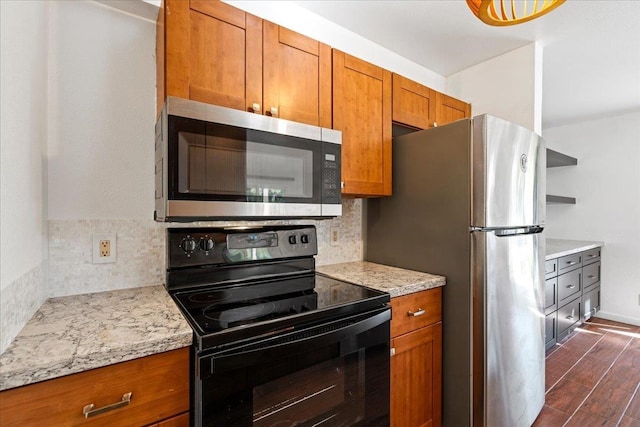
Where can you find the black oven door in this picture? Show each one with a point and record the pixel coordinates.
(334, 374)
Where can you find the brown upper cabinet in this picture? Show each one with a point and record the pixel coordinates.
(362, 111)
(449, 109)
(297, 76)
(413, 104)
(212, 52)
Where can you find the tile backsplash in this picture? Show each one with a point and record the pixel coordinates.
(140, 259)
(20, 300)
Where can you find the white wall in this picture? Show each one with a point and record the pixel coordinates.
(23, 132)
(102, 113)
(508, 86)
(23, 139)
(290, 15)
(606, 183)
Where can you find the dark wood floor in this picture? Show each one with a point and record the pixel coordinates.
(593, 378)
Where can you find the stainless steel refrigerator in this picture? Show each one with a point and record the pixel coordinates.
(469, 203)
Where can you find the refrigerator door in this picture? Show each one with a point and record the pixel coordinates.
(508, 174)
(508, 328)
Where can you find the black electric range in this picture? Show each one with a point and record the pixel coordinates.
(275, 342)
(235, 284)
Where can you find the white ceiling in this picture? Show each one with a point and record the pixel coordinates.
(591, 63)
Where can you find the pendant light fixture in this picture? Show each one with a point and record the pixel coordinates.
(511, 12)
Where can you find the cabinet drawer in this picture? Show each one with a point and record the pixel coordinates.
(569, 262)
(159, 387)
(550, 295)
(551, 268)
(590, 275)
(591, 255)
(590, 302)
(550, 329)
(568, 316)
(569, 285)
(413, 311)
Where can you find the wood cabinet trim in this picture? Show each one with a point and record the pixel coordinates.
(298, 41)
(177, 36)
(362, 66)
(219, 10)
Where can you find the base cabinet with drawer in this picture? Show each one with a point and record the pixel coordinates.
(157, 386)
(416, 362)
(572, 293)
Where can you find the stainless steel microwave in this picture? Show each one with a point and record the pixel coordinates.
(217, 163)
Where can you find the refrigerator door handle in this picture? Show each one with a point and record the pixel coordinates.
(506, 232)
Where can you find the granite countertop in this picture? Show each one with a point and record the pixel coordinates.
(560, 247)
(80, 332)
(395, 281)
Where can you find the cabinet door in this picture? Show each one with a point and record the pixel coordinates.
(181, 420)
(416, 372)
(362, 111)
(297, 76)
(213, 53)
(413, 104)
(449, 109)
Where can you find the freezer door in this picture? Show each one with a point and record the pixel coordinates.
(508, 328)
(508, 174)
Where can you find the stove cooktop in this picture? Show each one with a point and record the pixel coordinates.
(241, 284)
(221, 315)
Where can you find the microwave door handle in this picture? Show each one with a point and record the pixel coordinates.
(238, 358)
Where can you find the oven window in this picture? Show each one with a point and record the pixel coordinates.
(326, 393)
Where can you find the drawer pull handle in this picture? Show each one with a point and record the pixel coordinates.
(88, 410)
(571, 286)
(591, 276)
(571, 262)
(569, 317)
(420, 312)
(591, 255)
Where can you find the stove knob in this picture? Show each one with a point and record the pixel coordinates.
(188, 245)
(304, 239)
(206, 244)
(292, 239)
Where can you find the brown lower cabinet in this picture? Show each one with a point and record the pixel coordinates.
(159, 387)
(181, 420)
(416, 362)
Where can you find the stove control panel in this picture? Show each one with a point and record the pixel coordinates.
(214, 246)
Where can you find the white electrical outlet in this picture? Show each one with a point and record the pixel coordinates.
(335, 236)
(104, 248)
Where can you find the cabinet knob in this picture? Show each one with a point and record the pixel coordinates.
(435, 124)
(342, 184)
(274, 111)
(256, 107)
(392, 351)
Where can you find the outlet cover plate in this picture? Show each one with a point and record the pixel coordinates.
(97, 238)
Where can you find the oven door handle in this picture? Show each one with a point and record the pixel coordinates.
(304, 340)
